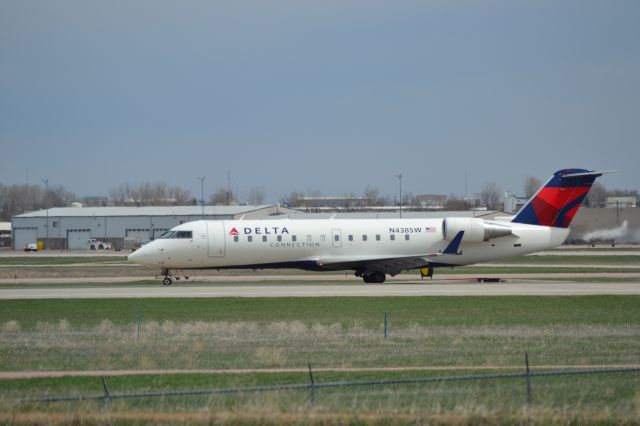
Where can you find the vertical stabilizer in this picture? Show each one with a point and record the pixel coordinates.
(558, 201)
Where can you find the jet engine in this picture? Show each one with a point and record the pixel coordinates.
(475, 230)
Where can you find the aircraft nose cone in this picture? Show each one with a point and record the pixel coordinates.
(135, 256)
(142, 256)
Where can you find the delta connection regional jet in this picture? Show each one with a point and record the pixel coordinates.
(372, 248)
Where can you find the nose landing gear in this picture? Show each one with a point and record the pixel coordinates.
(167, 280)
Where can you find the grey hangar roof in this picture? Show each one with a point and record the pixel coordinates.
(145, 211)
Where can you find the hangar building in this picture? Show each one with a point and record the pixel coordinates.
(72, 227)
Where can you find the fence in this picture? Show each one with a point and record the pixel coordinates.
(313, 387)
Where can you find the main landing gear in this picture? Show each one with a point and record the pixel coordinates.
(372, 277)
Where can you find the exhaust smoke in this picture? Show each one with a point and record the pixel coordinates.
(620, 234)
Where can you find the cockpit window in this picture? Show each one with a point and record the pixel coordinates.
(177, 234)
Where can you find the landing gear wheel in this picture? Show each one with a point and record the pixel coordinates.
(374, 277)
(167, 277)
(378, 277)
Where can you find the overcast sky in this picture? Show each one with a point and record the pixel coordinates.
(330, 95)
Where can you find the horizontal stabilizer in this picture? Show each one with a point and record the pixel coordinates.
(587, 174)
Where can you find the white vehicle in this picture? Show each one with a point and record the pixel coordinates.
(373, 248)
(95, 244)
(31, 247)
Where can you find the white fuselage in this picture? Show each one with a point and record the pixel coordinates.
(326, 244)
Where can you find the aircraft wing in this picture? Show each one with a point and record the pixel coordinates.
(392, 265)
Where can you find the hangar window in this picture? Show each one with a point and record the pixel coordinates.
(406, 237)
(294, 238)
(55, 223)
(350, 237)
(377, 237)
(249, 238)
(392, 237)
(364, 238)
(264, 238)
(235, 238)
(279, 238)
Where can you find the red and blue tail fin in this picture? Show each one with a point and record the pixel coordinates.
(556, 203)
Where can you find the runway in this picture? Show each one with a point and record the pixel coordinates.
(326, 290)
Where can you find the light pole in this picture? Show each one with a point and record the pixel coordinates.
(400, 180)
(201, 179)
(46, 199)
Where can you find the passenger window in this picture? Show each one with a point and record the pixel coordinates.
(293, 238)
(406, 237)
(364, 238)
(336, 237)
(264, 238)
(322, 238)
(235, 238)
(279, 237)
(377, 237)
(249, 238)
(392, 237)
(350, 237)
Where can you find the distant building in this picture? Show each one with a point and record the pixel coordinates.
(513, 203)
(95, 201)
(431, 201)
(72, 227)
(620, 202)
(5, 234)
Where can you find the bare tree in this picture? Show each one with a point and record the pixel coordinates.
(597, 195)
(150, 194)
(17, 199)
(408, 199)
(531, 185)
(455, 203)
(292, 199)
(256, 196)
(180, 196)
(373, 197)
(490, 195)
(223, 197)
(622, 193)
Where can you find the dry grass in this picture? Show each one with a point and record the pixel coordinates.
(190, 345)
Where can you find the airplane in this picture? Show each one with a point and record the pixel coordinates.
(372, 248)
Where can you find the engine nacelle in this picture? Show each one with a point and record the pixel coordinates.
(475, 230)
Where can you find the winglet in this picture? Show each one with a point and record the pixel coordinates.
(454, 245)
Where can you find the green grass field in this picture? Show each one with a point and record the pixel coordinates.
(477, 332)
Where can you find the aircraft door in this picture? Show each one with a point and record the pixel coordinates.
(336, 237)
(215, 238)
